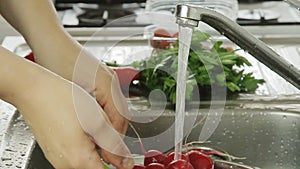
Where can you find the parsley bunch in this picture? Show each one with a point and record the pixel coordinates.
(209, 64)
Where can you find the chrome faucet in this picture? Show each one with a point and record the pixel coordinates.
(293, 3)
(191, 15)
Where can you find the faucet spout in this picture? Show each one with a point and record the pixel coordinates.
(191, 15)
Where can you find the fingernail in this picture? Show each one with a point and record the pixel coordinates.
(127, 163)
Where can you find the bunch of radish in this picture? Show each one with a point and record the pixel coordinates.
(192, 159)
(195, 158)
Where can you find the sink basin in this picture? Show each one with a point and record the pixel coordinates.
(267, 135)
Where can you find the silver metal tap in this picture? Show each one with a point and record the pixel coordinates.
(294, 3)
(191, 15)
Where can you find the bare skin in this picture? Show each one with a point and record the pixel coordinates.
(50, 87)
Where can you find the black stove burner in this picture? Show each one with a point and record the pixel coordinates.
(257, 16)
(102, 16)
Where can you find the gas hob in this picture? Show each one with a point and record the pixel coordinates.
(124, 15)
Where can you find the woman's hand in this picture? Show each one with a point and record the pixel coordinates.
(49, 105)
(52, 118)
(55, 50)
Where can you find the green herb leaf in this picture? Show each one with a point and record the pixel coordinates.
(205, 66)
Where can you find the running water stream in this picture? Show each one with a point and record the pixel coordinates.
(185, 36)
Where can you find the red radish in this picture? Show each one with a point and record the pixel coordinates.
(154, 156)
(137, 166)
(155, 166)
(180, 164)
(30, 57)
(200, 160)
(207, 151)
(175, 35)
(160, 32)
(126, 75)
(170, 158)
(229, 49)
(162, 44)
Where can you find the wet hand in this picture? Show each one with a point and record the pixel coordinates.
(52, 116)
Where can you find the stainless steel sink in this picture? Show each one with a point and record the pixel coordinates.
(267, 135)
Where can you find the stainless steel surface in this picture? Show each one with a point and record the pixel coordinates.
(294, 3)
(268, 139)
(190, 15)
(221, 164)
(16, 139)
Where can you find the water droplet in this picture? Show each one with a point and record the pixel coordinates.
(284, 117)
(8, 164)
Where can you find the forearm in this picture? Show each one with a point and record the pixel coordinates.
(19, 78)
(34, 19)
(53, 48)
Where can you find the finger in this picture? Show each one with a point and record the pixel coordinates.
(92, 161)
(114, 104)
(95, 122)
(120, 107)
(117, 161)
(118, 121)
(82, 155)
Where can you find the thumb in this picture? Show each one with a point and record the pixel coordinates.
(95, 122)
